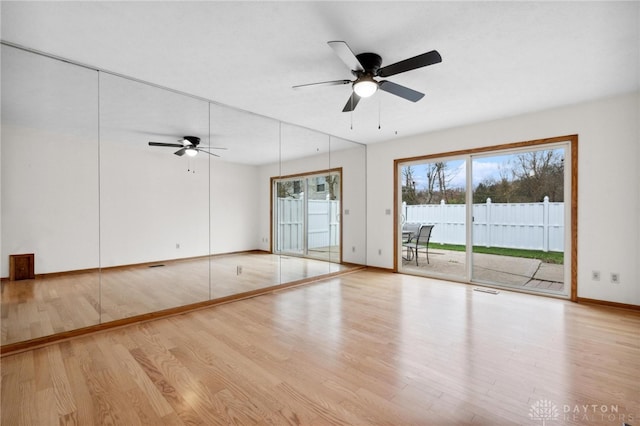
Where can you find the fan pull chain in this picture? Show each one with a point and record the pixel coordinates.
(379, 109)
(351, 112)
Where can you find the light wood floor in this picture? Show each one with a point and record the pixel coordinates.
(46, 306)
(365, 348)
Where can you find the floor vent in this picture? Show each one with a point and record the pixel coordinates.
(486, 290)
(156, 266)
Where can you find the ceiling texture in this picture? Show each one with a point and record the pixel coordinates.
(500, 59)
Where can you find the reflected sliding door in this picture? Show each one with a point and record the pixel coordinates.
(307, 216)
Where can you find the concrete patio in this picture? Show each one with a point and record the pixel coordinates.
(490, 268)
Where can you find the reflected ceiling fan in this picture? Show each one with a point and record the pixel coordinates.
(188, 145)
(366, 66)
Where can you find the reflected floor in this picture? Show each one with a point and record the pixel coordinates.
(530, 274)
(45, 306)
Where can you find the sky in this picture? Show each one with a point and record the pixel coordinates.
(483, 168)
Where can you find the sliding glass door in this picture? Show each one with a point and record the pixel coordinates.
(307, 215)
(513, 229)
(519, 219)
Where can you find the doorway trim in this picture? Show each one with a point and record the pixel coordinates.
(573, 147)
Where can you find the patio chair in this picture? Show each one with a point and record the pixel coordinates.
(409, 234)
(421, 241)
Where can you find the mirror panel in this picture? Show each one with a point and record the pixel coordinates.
(239, 207)
(49, 195)
(301, 206)
(350, 158)
(154, 205)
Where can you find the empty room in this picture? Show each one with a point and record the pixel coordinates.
(241, 212)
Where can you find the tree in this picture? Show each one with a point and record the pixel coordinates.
(332, 181)
(285, 189)
(539, 174)
(409, 187)
(531, 177)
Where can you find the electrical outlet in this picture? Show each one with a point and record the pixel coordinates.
(238, 270)
(177, 245)
(379, 252)
(595, 275)
(353, 249)
(615, 278)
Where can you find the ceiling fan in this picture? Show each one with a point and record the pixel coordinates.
(366, 66)
(188, 145)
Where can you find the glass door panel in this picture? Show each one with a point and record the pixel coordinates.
(518, 220)
(323, 211)
(291, 216)
(433, 218)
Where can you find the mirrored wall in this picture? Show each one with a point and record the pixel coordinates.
(119, 228)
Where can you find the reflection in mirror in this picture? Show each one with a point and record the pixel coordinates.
(302, 205)
(49, 196)
(350, 158)
(154, 204)
(120, 228)
(241, 260)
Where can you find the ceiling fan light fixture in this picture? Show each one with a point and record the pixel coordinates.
(365, 86)
(191, 152)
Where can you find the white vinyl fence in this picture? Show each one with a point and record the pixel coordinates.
(531, 226)
(323, 224)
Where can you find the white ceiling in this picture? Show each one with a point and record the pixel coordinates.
(499, 58)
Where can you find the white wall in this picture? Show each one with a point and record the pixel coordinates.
(49, 199)
(234, 203)
(608, 158)
(134, 208)
(149, 202)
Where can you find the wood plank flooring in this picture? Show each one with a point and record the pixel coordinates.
(370, 347)
(45, 306)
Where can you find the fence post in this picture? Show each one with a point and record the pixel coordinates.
(443, 207)
(488, 224)
(545, 224)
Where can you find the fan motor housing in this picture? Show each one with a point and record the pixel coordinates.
(371, 62)
(193, 139)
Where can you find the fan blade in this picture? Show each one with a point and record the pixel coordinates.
(207, 152)
(212, 147)
(351, 103)
(324, 83)
(419, 61)
(173, 145)
(402, 91)
(181, 152)
(345, 53)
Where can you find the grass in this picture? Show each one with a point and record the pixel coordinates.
(556, 257)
